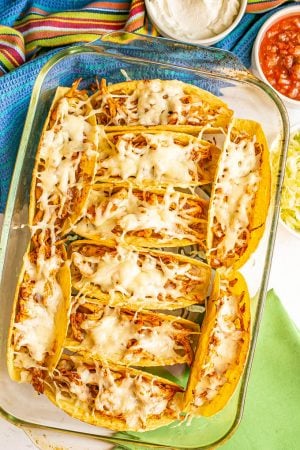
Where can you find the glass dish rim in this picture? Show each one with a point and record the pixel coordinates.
(244, 76)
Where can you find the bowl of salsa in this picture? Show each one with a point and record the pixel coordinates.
(276, 54)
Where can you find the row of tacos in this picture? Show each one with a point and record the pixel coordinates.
(117, 181)
(122, 168)
(88, 369)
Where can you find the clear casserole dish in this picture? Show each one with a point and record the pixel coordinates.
(114, 57)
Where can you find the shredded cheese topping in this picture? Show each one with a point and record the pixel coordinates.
(223, 350)
(155, 102)
(168, 214)
(35, 331)
(117, 336)
(163, 158)
(234, 196)
(127, 272)
(126, 395)
(114, 212)
(63, 146)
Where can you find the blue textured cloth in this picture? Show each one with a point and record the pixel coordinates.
(241, 39)
(16, 86)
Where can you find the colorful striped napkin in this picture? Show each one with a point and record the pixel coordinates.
(29, 26)
(260, 6)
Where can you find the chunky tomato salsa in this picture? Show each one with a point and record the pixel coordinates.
(279, 56)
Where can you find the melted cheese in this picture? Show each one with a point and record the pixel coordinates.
(58, 161)
(156, 99)
(160, 159)
(235, 192)
(61, 151)
(112, 334)
(135, 399)
(127, 273)
(35, 332)
(156, 102)
(133, 214)
(132, 397)
(23, 360)
(223, 351)
(36, 329)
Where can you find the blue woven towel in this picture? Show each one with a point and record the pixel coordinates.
(16, 86)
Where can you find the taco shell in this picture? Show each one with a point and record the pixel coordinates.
(222, 348)
(156, 158)
(123, 214)
(82, 168)
(178, 281)
(240, 197)
(115, 397)
(168, 104)
(137, 338)
(31, 315)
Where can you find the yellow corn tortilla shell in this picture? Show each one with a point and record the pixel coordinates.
(61, 321)
(262, 198)
(207, 167)
(81, 226)
(223, 114)
(197, 295)
(88, 165)
(234, 372)
(187, 328)
(80, 410)
(60, 326)
(14, 372)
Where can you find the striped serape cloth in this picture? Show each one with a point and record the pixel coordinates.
(260, 6)
(28, 27)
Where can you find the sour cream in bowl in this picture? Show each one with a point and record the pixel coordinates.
(203, 22)
(276, 54)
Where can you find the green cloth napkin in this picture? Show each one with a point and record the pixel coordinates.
(271, 419)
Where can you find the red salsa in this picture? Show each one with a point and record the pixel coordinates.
(279, 56)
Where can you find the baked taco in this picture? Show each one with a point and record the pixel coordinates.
(65, 162)
(156, 158)
(120, 276)
(114, 396)
(240, 196)
(39, 321)
(222, 348)
(162, 103)
(143, 217)
(127, 337)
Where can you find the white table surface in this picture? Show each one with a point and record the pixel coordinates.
(284, 279)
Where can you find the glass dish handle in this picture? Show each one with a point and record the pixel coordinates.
(203, 59)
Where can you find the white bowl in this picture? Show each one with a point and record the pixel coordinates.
(294, 129)
(289, 229)
(164, 31)
(255, 51)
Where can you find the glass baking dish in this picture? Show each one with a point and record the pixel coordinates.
(116, 56)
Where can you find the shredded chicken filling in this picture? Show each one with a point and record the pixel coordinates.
(115, 213)
(223, 351)
(121, 336)
(123, 394)
(154, 102)
(234, 198)
(162, 158)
